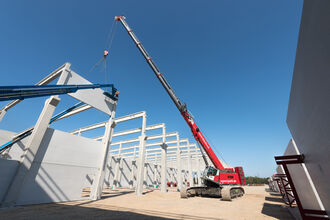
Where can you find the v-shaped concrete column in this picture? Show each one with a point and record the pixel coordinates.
(30, 151)
(98, 183)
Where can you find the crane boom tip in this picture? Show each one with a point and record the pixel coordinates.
(117, 18)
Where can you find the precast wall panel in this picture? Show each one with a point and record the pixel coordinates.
(301, 180)
(309, 107)
(15, 151)
(63, 166)
(7, 173)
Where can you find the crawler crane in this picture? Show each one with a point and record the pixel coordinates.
(218, 181)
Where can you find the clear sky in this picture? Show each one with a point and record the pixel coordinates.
(231, 61)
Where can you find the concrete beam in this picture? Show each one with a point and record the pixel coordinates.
(52, 76)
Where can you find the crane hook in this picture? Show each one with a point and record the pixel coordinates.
(105, 53)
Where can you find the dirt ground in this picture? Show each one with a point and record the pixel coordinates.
(257, 203)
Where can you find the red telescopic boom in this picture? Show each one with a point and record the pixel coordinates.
(182, 107)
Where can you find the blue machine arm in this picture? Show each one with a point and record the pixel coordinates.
(24, 92)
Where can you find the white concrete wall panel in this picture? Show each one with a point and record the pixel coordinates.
(16, 151)
(309, 108)
(7, 172)
(63, 166)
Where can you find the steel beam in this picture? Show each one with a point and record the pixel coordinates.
(55, 74)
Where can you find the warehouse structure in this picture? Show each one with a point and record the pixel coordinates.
(50, 165)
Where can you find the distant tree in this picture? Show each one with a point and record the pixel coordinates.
(256, 180)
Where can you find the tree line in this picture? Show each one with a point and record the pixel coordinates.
(256, 180)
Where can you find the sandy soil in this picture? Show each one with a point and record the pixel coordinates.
(257, 203)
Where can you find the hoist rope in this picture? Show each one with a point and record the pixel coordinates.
(111, 35)
(108, 46)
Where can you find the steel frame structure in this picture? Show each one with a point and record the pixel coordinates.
(288, 187)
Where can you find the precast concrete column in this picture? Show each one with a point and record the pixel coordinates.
(142, 151)
(121, 162)
(97, 186)
(30, 152)
(172, 174)
(116, 173)
(163, 185)
(199, 171)
(178, 164)
(117, 169)
(175, 173)
(157, 170)
(191, 181)
(155, 175)
(145, 175)
(131, 183)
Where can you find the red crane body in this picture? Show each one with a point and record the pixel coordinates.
(227, 175)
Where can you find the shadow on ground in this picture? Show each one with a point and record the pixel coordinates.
(62, 211)
(275, 194)
(115, 193)
(274, 199)
(275, 211)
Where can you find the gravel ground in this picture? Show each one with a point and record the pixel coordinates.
(257, 203)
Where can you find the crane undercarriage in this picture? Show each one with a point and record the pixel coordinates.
(214, 190)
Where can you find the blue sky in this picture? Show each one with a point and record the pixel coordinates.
(231, 61)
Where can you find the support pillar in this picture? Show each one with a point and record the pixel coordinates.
(146, 175)
(199, 172)
(131, 183)
(155, 176)
(121, 162)
(142, 151)
(117, 169)
(163, 185)
(172, 174)
(116, 174)
(31, 151)
(178, 165)
(190, 176)
(97, 187)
